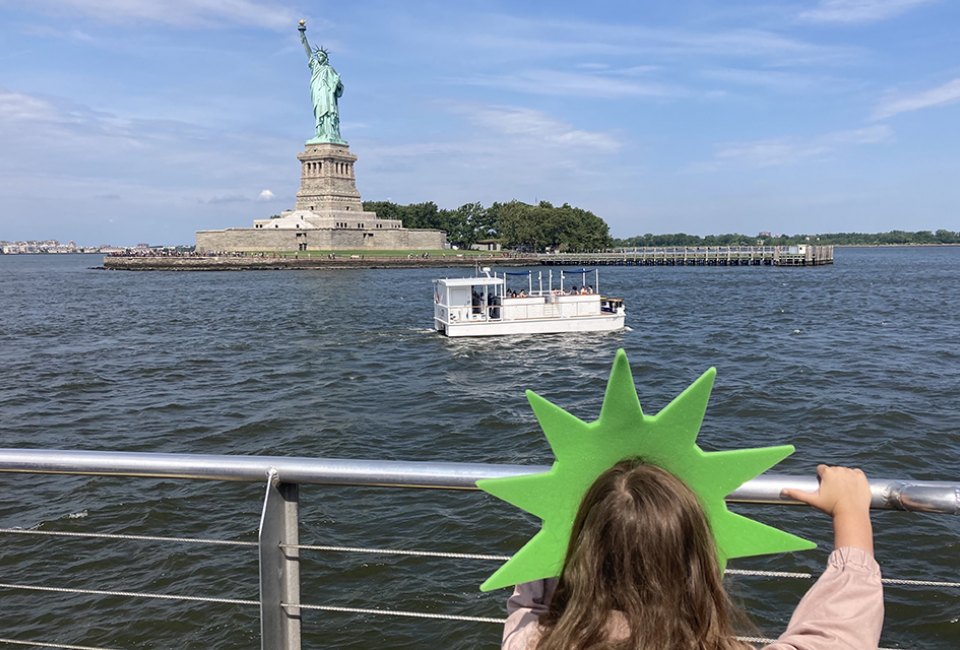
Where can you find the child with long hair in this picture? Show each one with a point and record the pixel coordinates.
(641, 573)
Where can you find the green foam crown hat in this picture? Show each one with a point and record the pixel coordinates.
(584, 450)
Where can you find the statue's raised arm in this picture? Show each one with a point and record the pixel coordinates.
(303, 38)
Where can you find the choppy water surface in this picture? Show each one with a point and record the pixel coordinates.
(854, 364)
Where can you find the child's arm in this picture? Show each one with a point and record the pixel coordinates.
(845, 607)
(844, 494)
(524, 608)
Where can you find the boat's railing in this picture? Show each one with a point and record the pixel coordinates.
(278, 540)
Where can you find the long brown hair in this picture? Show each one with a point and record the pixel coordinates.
(641, 571)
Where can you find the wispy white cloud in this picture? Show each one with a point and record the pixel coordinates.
(776, 48)
(223, 199)
(506, 152)
(147, 168)
(179, 13)
(23, 117)
(506, 146)
(784, 151)
(858, 11)
(530, 124)
(265, 195)
(535, 39)
(17, 107)
(948, 93)
(551, 82)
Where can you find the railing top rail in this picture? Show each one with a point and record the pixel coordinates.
(891, 494)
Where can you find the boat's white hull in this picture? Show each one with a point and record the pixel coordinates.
(601, 323)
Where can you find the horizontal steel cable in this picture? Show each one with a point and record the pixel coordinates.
(759, 639)
(918, 583)
(132, 594)
(768, 574)
(141, 538)
(503, 558)
(810, 576)
(42, 644)
(414, 553)
(396, 612)
(765, 641)
(389, 551)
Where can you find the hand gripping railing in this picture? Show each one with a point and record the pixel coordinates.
(278, 540)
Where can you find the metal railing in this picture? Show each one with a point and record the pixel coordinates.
(278, 540)
(809, 255)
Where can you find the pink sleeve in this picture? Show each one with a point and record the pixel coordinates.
(843, 610)
(529, 601)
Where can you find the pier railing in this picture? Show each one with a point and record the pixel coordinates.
(800, 255)
(278, 536)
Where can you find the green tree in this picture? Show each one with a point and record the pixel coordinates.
(470, 223)
(384, 209)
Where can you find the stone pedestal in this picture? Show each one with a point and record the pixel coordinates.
(327, 181)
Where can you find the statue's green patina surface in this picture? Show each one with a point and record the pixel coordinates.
(325, 89)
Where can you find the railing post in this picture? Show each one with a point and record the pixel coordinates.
(279, 566)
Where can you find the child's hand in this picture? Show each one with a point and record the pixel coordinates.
(844, 494)
(842, 490)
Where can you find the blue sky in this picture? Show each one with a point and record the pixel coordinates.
(124, 121)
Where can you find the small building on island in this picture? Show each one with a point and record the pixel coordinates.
(487, 245)
(328, 214)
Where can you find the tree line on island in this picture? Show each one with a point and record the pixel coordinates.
(891, 238)
(541, 227)
(516, 225)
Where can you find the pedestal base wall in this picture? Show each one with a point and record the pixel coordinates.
(240, 240)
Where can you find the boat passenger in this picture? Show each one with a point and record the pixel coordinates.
(522, 294)
(641, 572)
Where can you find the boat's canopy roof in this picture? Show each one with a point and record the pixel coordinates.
(470, 282)
(516, 272)
(565, 271)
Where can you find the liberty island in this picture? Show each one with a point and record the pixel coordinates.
(328, 214)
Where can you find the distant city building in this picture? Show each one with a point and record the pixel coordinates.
(30, 247)
(52, 246)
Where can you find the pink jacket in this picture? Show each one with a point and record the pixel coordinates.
(843, 610)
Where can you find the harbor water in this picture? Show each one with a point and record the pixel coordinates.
(856, 363)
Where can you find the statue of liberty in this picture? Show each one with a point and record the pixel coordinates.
(325, 89)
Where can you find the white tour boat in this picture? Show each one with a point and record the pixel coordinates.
(487, 305)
